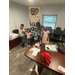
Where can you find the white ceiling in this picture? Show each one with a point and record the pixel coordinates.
(38, 2)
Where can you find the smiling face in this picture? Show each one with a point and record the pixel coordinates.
(21, 27)
(32, 28)
(28, 30)
(41, 29)
(33, 23)
(36, 29)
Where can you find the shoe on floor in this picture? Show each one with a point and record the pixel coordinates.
(27, 45)
(23, 46)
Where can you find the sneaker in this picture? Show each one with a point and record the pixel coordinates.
(27, 45)
(23, 46)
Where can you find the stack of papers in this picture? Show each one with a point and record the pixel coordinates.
(49, 47)
(35, 51)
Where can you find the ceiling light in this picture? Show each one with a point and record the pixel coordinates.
(30, 0)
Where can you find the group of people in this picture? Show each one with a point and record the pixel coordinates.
(32, 35)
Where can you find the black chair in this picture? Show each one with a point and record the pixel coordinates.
(16, 31)
(57, 33)
(50, 29)
(61, 47)
(63, 35)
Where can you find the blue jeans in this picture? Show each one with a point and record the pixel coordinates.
(22, 40)
(32, 40)
(28, 41)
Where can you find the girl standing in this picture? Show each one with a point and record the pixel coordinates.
(41, 34)
(29, 36)
(32, 39)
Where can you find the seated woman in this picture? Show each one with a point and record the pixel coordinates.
(45, 38)
(9, 44)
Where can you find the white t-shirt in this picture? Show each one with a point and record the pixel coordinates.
(21, 33)
(28, 35)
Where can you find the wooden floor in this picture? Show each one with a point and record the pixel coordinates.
(19, 64)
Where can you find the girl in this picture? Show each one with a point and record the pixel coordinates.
(45, 38)
(29, 35)
(41, 34)
(32, 24)
(36, 33)
(9, 44)
(32, 39)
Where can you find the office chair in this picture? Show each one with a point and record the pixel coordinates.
(57, 33)
(16, 31)
(63, 35)
(61, 47)
(50, 29)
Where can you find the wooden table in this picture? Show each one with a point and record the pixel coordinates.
(56, 59)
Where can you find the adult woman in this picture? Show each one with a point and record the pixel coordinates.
(45, 38)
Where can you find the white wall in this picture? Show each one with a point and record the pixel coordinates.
(17, 15)
(11, 19)
(58, 10)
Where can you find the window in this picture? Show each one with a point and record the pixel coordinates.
(49, 21)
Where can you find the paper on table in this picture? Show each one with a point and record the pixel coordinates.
(36, 49)
(34, 53)
(51, 47)
(61, 68)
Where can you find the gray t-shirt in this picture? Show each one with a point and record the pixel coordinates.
(21, 33)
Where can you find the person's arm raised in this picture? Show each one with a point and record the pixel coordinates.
(30, 22)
